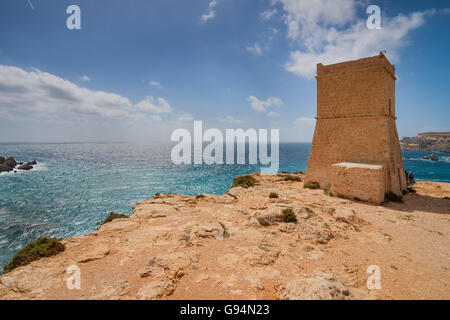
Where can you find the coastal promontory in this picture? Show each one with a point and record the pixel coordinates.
(270, 239)
(429, 141)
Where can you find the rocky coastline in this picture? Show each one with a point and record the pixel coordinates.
(268, 237)
(428, 141)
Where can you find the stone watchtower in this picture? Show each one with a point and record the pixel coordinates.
(356, 150)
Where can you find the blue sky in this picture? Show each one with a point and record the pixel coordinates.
(139, 69)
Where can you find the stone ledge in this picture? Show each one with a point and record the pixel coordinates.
(350, 165)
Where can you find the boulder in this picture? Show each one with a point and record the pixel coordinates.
(267, 218)
(345, 214)
(5, 168)
(7, 165)
(10, 162)
(157, 289)
(318, 286)
(261, 256)
(26, 166)
(208, 230)
(172, 265)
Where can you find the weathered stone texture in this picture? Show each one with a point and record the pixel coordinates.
(216, 248)
(354, 180)
(356, 123)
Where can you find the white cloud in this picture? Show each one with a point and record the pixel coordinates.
(151, 104)
(40, 95)
(329, 32)
(230, 119)
(272, 114)
(211, 12)
(185, 117)
(268, 14)
(85, 78)
(155, 84)
(303, 121)
(255, 49)
(155, 118)
(262, 106)
(303, 16)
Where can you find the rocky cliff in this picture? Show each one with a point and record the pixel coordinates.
(430, 141)
(237, 246)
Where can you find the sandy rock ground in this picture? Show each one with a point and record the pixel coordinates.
(236, 247)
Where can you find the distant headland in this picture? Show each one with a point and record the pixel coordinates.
(428, 141)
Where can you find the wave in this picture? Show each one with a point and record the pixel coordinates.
(40, 166)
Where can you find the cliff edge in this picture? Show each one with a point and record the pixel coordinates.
(236, 246)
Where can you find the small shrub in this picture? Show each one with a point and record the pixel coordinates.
(404, 192)
(447, 198)
(112, 216)
(299, 172)
(273, 195)
(327, 190)
(289, 216)
(392, 197)
(285, 172)
(200, 196)
(41, 248)
(312, 185)
(309, 210)
(292, 178)
(245, 181)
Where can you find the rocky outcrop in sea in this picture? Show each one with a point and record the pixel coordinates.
(10, 164)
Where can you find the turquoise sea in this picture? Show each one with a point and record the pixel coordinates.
(74, 186)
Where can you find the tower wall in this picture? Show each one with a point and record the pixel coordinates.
(356, 121)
